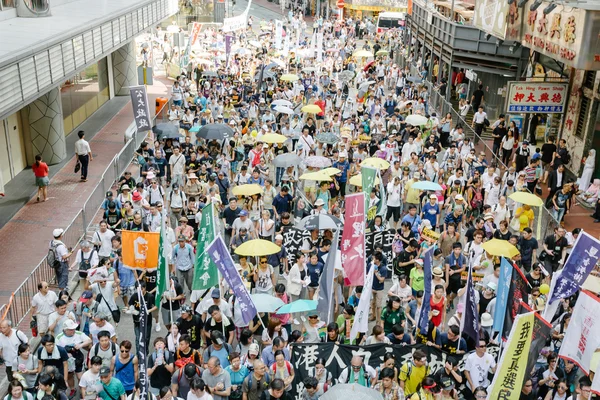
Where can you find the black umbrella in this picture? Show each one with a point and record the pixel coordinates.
(321, 221)
(166, 131)
(215, 131)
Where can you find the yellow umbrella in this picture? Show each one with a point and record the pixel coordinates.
(257, 247)
(272, 138)
(500, 248)
(376, 163)
(362, 53)
(331, 171)
(316, 176)
(247, 190)
(526, 198)
(312, 109)
(289, 77)
(382, 53)
(356, 180)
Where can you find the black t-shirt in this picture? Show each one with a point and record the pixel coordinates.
(230, 215)
(311, 129)
(526, 247)
(280, 150)
(534, 282)
(483, 302)
(477, 97)
(548, 150)
(135, 302)
(150, 278)
(267, 396)
(173, 304)
(58, 363)
(161, 376)
(193, 327)
(218, 326)
(404, 256)
(501, 132)
(556, 246)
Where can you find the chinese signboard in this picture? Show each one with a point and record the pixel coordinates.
(536, 97)
(567, 34)
(141, 112)
(491, 17)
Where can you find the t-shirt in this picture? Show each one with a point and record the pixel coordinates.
(113, 390)
(212, 380)
(430, 212)
(526, 247)
(193, 327)
(412, 376)
(383, 271)
(90, 381)
(479, 367)
(161, 376)
(258, 386)
(556, 246)
(56, 359)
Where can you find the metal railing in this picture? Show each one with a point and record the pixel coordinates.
(20, 301)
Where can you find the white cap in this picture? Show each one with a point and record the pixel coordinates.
(57, 232)
(486, 320)
(70, 324)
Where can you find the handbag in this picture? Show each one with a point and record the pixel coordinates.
(116, 314)
(515, 224)
(543, 255)
(77, 166)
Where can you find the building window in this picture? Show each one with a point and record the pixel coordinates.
(589, 78)
(583, 113)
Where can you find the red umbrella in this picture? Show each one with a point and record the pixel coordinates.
(369, 64)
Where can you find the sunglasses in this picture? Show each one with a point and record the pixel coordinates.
(312, 317)
(124, 351)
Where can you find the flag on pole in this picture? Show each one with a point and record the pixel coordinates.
(140, 249)
(361, 318)
(162, 273)
(142, 350)
(353, 240)
(368, 175)
(469, 323)
(382, 206)
(517, 293)
(426, 305)
(205, 270)
(582, 339)
(511, 371)
(539, 337)
(325, 302)
(502, 294)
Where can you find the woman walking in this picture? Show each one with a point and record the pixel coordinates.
(40, 170)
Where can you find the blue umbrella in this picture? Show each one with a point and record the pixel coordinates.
(266, 302)
(300, 305)
(426, 185)
(195, 128)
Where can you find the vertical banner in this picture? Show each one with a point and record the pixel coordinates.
(286, 46)
(582, 339)
(228, 39)
(205, 270)
(325, 303)
(382, 206)
(511, 371)
(353, 240)
(195, 32)
(581, 261)
(470, 319)
(220, 255)
(278, 33)
(368, 175)
(140, 249)
(517, 293)
(539, 337)
(423, 323)
(361, 318)
(141, 346)
(320, 46)
(141, 112)
(162, 273)
(502, 294)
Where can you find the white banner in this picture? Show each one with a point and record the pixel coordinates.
(582, 339)
(596, 381)
(361, 318)
(320, 46)
(238, 22)
(278, 33)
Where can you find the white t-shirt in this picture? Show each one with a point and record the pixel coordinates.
(94, 329)
(479, 368)
(10, 345)
(61, 320)
(77, 338)
(44, 304)
(105, 240)
(192, 396)
(91, 255)
(177, 164)
(91, 383)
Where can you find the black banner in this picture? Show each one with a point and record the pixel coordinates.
(517, 293)
(383, 239)
(142, 361)
(338, 357)
(293, 239)
(141, 112)
(540, 337)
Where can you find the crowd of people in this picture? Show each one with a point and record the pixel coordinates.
(207, 351)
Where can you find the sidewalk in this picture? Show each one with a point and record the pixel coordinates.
(26, 236)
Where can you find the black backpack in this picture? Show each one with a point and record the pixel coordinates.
(52, 259)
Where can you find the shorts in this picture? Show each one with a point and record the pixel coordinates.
(378, 297)
(320, 117)
(166, 315)
(454, 285)
(178, 102)
(42, 181)
(547, 167)
(42, 323)
(393, 212)
(127, 291)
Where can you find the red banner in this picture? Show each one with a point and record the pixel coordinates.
(195, 32)
(353, 240)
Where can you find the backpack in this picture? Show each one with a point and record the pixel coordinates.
(182, 362)
(96, 349)
(52, 259)
(477, 200)
(225, 346)
(287, 365)
(189, 250)
(251, 376)
(84, 264)
(566, 157)
(198, 372)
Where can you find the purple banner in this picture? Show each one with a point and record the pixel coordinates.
(580, 263)
(471, 318)
(426, 305)
(221, 257)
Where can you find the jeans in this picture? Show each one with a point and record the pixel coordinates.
(85, 161)
(278, 175)
(187, 277)
(62, 275)
(558, 214)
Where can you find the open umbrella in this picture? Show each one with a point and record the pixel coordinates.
(320, 221)
(309, 69)
(346, 76)
(414, 79)
(526, 198)
(282, 102)
(376, 162)
(284, 110)
(257, 248)
(243, 51)
(311, 109)
(211, 74)
(299, 305)
(363, 87)
(356, 180)
(368, 65)
(247, 190)
(266, 303)
(426, 185)
(351, 391)
(166, 130)
(328, 138)
(255, 43)
(331, 171)
(316, 176)
(289, 77)
(362, 54)
(317, 162)
(382, 53)
(500, 248)
(273, 138)
(416, 120)
(215, 131)
(287, 160)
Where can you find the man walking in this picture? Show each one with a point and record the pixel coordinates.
(84, 154)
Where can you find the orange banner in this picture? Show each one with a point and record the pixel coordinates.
(140, 249)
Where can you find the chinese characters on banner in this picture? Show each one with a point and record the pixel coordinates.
(361, 318)
(141, 112)
(517, 293)
(581, 339)
(220, 255)
(205, 271)
(423, 324)
(534, 97)
(508, 380)
(353, 240)
(141, 346)
(470, 320)
(195, 32)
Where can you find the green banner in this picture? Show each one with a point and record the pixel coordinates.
(368, 175)
(205, 271)
(162, 273)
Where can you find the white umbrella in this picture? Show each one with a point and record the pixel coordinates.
(309, 69)
(282, 102)
(255, 43)
(284, 110)
(243, 51)
(416, 120)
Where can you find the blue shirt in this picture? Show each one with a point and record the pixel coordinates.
(413, 221)
(282, 203)
(344, 167)
(383, 271)
(430, 212)
(452, 218)
(315, 272)
(269, 358)
(125, 275)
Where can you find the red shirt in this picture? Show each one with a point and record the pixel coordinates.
(321, 104)
(41, 170)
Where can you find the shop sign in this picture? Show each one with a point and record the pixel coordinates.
(567, 34)
(536, 97)
(491, 17)
(472, 76)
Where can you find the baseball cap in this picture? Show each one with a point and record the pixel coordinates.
(243, 213)
(109, 194)
(216, 294)
(447, 383)
(104, 371)
(86, 295)
(253, 349)
(536, 156)
(186, 309)
(69, 324)
(57, 232)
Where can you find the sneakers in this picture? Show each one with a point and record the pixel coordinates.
(157, 327)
